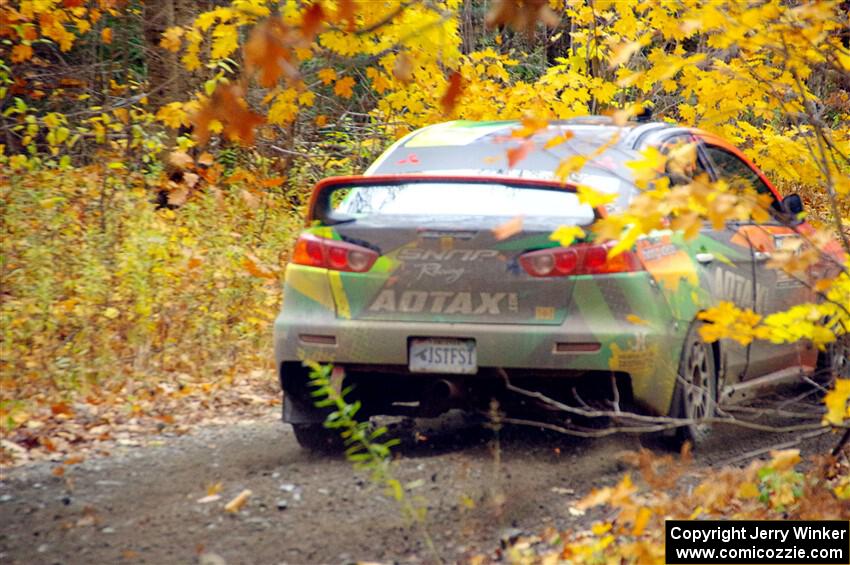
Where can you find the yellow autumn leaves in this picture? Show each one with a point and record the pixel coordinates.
(822, 323)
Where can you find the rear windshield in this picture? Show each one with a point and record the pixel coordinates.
(463, 199)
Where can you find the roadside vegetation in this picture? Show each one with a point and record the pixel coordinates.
(155, 159)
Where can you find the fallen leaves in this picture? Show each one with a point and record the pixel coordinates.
(238, 501)
(61, 408)
(180, 159)
(104, 422)
(633, 528)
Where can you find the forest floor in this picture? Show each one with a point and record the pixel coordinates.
(159, 498)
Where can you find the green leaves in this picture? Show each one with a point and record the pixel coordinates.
(364, 447)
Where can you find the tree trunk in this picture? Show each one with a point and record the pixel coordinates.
(168, 80)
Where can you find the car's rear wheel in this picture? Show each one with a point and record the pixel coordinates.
(835, 361)
(695, 396)
(316, 437)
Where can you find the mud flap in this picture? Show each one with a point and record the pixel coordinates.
(297, 411)
(298, 407)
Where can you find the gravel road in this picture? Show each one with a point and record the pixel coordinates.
(141, 504)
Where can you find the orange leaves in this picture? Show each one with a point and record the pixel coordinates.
(559, 139)
(253, 265)
(403, 68)
(268, 52)
(453, 92)
(518, 153)
(530, 124)
(21, 53)
(344, 87)
(228, 107)
(508, 229)
(633, 529)
(272, 50)
(521, 15)
(61, 408)
(346, 13)
(106, 35)
(312, 21)
(272, 182)
(29, 33)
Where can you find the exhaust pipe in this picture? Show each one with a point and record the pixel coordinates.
(440, 396)
(448, 390)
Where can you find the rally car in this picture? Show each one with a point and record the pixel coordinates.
(408, 281)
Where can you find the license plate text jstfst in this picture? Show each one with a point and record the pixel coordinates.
(443, 356)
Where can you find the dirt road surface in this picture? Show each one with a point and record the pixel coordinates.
(140, 505)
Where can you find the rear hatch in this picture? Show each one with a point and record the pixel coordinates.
(441, 259)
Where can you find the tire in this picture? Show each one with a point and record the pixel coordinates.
(835, 361)
(316, 437)
(695, 395)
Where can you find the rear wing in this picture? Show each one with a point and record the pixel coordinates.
(321, 208)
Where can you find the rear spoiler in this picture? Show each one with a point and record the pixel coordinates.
(320, 201)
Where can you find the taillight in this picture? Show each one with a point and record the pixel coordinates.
(331, 254)
(581, 259)
(555, 262)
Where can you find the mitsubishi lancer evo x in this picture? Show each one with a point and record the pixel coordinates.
(402, 283)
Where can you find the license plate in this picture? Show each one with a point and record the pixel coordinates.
(435, 355)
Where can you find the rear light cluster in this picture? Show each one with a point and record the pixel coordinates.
(331, 254)
(581, 259)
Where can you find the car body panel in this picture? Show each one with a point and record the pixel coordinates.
(632, 330)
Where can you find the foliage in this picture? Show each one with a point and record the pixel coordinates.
(135, 254)
(674, 490)
(694, 62)
(364, 446)
(100, 286)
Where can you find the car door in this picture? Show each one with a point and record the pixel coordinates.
(772, 290)
(726, 269)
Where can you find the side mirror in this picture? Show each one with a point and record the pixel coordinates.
(793, 205)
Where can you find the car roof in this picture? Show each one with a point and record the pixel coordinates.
(483, 147)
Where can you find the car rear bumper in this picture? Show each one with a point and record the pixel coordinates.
(497, 345)
(648, 355)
